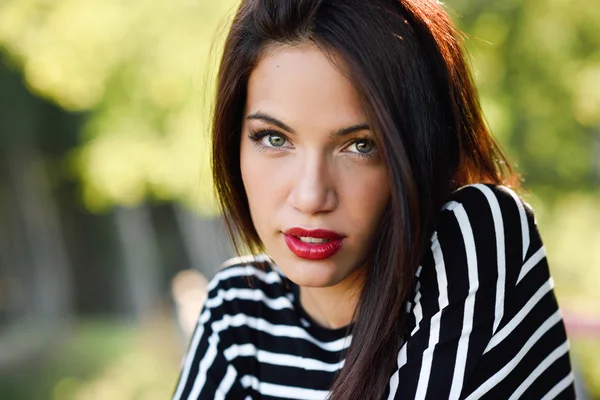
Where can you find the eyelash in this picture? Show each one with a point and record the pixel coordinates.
(257, 135)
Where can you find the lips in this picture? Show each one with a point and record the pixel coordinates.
(310, 250)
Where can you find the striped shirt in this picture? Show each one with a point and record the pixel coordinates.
(483, 319)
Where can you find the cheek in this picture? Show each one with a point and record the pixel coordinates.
(252, 178)
(367, 194)
(263, 186)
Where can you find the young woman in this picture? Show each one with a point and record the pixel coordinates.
(349, 146)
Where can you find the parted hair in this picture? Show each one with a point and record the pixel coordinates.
(407, 65)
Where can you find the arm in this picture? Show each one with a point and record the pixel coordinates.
(206, 374)
(463, 291)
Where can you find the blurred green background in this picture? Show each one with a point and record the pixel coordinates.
(107, 220)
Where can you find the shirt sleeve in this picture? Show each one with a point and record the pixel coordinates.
(206, 373)
(464, 293)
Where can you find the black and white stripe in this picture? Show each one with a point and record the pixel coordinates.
(484, 320)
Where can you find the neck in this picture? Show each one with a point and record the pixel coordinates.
(333, 307)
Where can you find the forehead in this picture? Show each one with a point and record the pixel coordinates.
(296, 82)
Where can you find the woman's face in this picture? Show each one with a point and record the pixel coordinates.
(316, 182)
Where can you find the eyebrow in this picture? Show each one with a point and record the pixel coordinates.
(350, 129)
(270, 120)
(274, 121)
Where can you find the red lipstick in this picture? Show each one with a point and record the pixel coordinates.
(313, 251)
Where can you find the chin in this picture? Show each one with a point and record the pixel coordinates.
(307, 273)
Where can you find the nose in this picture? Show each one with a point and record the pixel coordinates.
(313, 189)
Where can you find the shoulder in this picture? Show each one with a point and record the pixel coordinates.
(485, 231)
(249, 271)
(242, 283)
(479, 198)
(494, 211)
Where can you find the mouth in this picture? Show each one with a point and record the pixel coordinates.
(315, 244)
(313, 240)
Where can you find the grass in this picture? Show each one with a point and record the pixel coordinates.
(101, 360)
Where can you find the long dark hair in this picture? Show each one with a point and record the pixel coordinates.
(405, 60)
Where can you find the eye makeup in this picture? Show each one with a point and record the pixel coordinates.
(258, 136)
(272, 137)
(366, 141)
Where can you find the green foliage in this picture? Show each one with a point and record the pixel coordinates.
(537, 67)
(141, 69)
(103, 360)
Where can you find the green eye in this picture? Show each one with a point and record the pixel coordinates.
(276, 140)
(364, 146)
